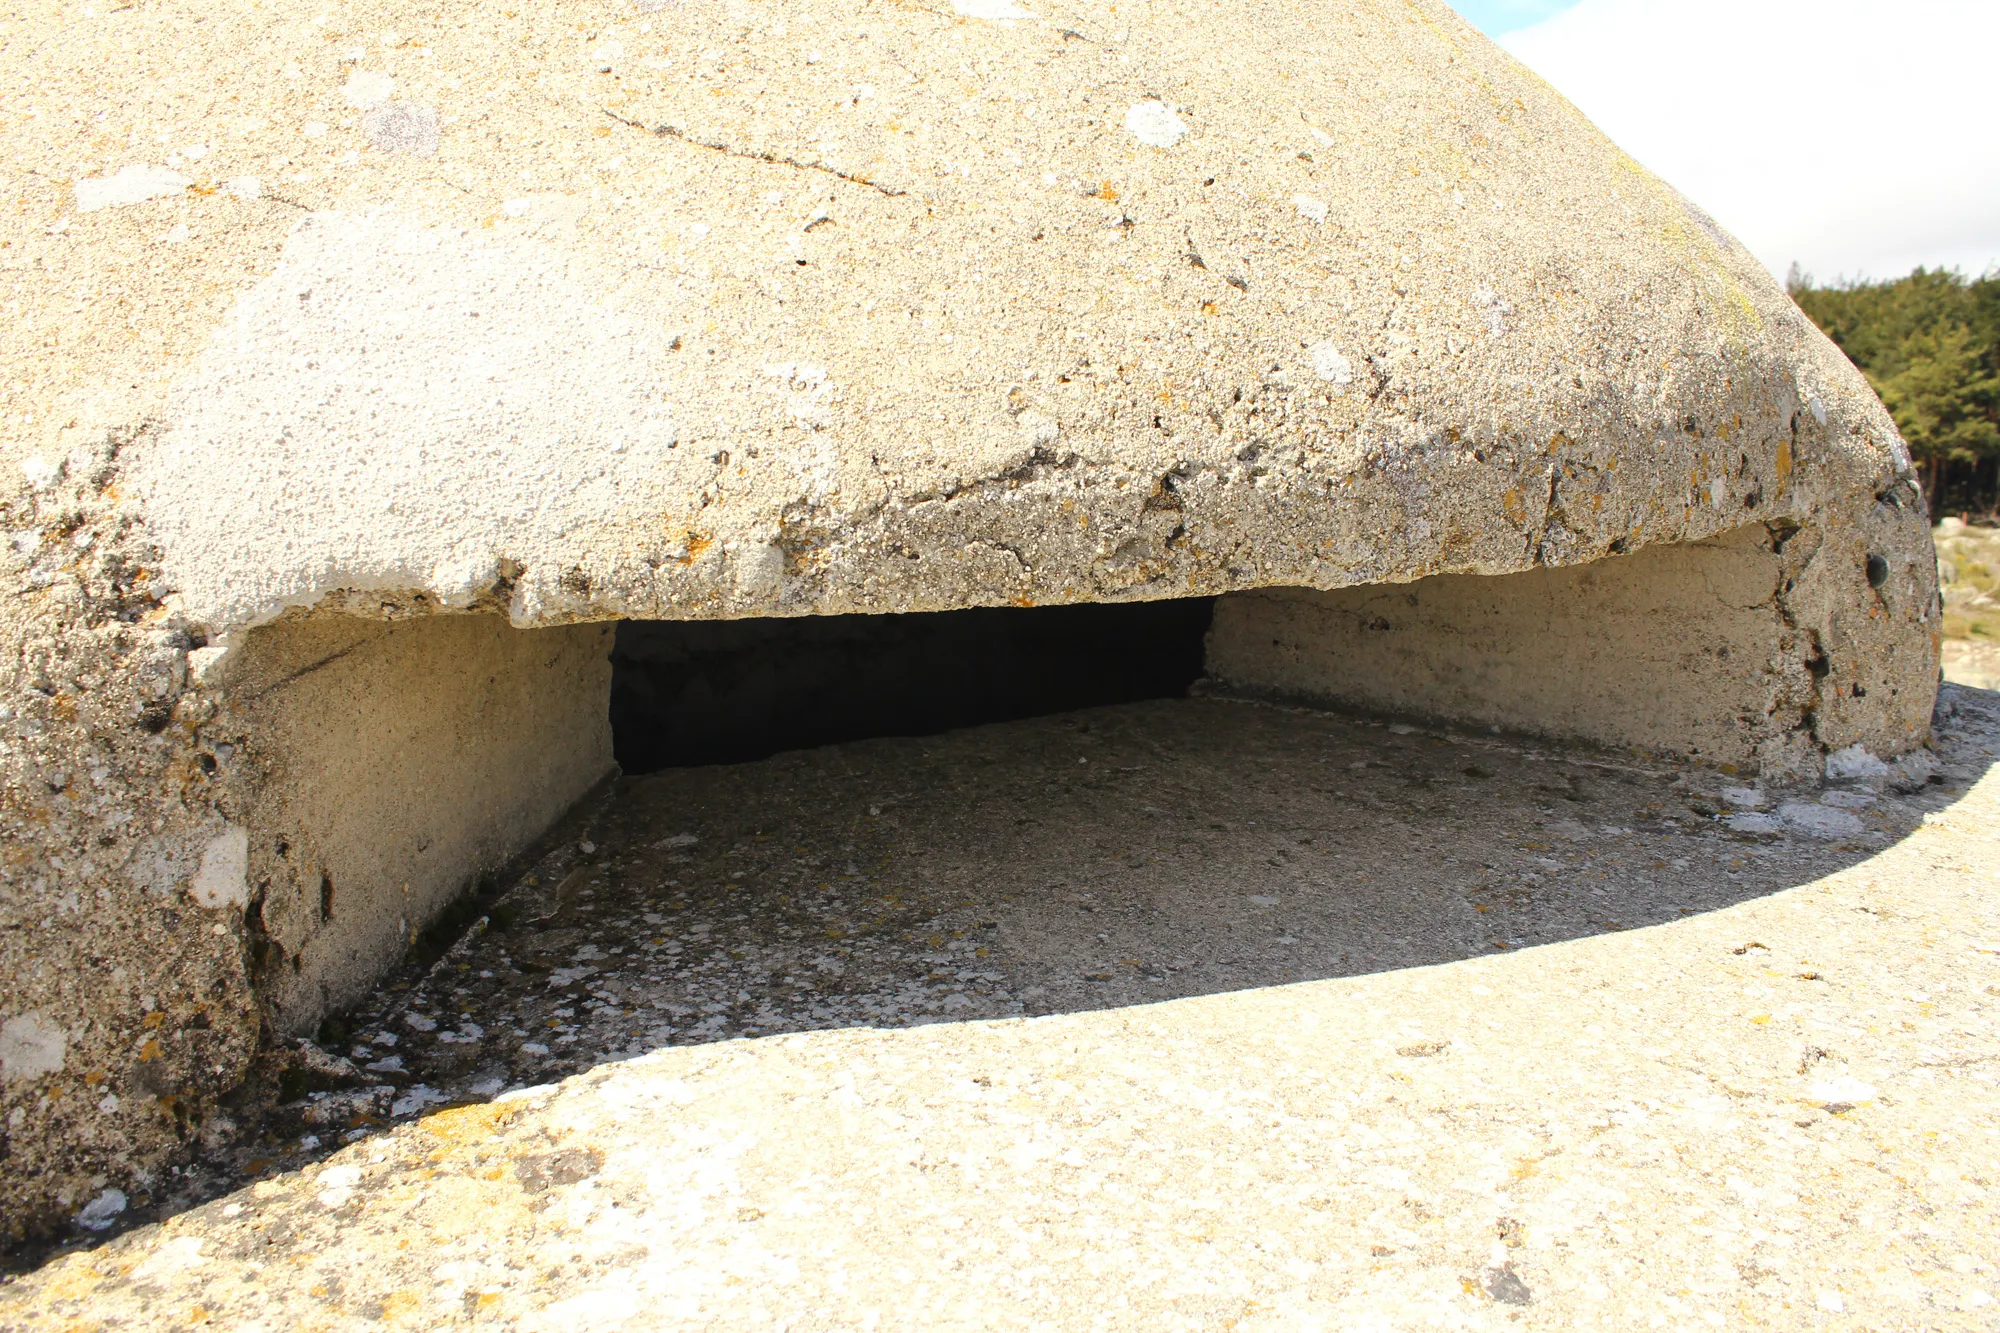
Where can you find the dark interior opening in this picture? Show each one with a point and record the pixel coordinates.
(727, 691)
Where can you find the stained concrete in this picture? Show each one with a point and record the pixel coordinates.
(577, 313)
(1178, 1015)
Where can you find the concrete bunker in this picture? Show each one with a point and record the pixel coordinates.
(401, 760)
(323, 524)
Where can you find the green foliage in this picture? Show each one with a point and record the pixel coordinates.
(1930, 344)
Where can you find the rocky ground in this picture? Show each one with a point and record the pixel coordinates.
(1969, 579)
(1191, 1014)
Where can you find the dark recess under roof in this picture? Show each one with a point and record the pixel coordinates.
(728, 691)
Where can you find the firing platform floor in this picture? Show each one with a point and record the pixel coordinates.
(1192, 1014)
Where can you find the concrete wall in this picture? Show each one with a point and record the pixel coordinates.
(1748, 649)
(398, 761)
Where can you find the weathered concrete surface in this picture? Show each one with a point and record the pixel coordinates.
(1716, 1078)
(1760, 649)
(398, 755)
(583, 311)
(732, 311)
(115, 793)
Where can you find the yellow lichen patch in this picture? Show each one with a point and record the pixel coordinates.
(457, 1207)
(1784, 465)
(466, 1126)
(71, 1279)
(398, 1305)
(1515, 505)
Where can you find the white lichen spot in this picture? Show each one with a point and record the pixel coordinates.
(1038, 431)
(367, 87)
(1311, 209)
(990, 9)
(246, 187)
(757, 571)
(31, 1046)
(102, 1211)
(1718, 491)
(1817, 408)
(1154, 124)
(135, 184)
(412, 1102)
(1845, 1090)
(401, 127)
(171, 1259)
(1328, 364)
(1854, 764)
(336, 1183)
(223, 878)
(457, 582)
(42, 473)
(313, 129)
(1494, 309)
(804, 388)
(1818, 821)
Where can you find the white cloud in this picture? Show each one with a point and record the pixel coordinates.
(1853, 136)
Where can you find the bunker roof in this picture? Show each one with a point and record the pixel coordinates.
(723, 309)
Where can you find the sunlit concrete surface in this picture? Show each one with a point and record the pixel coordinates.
(1189, 1015)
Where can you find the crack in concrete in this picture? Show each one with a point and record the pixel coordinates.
(1040, 460)
(755, 155)
(1010, 549)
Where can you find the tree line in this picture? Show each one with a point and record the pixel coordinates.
(1930, 344)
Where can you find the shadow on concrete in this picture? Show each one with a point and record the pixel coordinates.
(1114, 857)
(1118, 856)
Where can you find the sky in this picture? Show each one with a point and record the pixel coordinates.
(1853, 137)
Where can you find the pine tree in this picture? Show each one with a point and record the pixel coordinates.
(1929, 343)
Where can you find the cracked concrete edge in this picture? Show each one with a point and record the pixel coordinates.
(810, 492)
